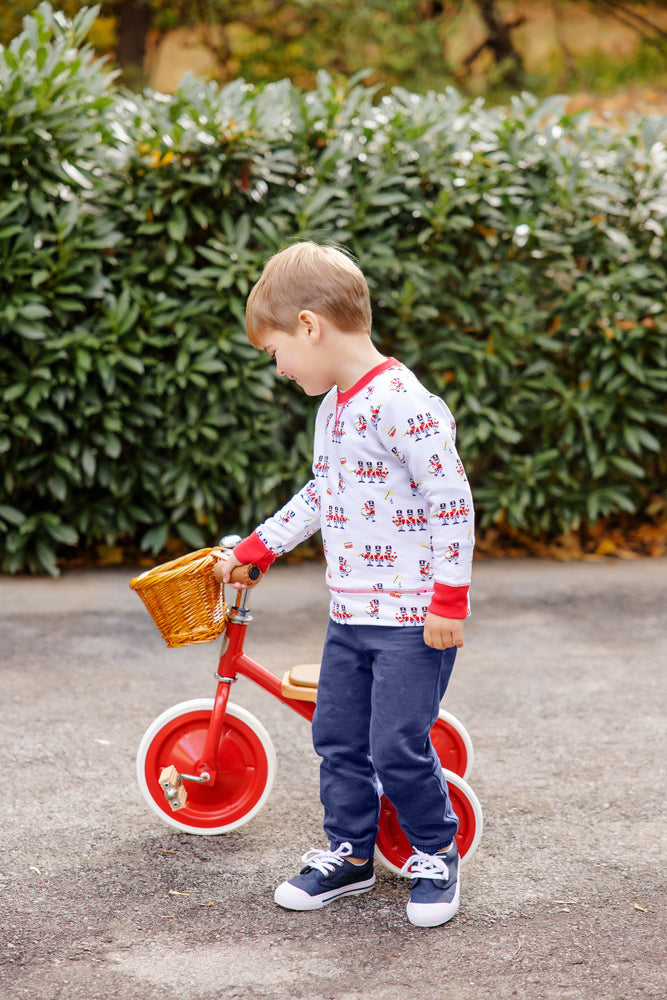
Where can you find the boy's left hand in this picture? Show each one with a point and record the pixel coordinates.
(442, 633)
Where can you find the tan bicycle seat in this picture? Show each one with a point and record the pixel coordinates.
(301, 682)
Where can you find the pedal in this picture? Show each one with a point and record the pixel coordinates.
(173, 787)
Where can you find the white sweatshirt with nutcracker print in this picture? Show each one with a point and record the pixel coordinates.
(392, 500)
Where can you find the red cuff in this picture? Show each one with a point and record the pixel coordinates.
(449, 602)
(253, 550)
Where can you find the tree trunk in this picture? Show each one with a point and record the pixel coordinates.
(134, 19)
(499, 40)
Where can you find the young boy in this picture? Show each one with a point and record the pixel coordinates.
(392, 501)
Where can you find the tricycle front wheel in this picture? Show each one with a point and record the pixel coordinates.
(245, 767)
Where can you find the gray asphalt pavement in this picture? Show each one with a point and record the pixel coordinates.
(561, 686)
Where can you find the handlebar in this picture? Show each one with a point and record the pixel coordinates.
(248, 575)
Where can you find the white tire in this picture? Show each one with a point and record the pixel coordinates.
(246, 767)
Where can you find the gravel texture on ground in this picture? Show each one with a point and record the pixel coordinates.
(561, 686)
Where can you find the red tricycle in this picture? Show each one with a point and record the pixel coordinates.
(207, 766)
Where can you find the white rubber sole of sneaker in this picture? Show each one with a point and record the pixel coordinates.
(292, 898)
(433, 914)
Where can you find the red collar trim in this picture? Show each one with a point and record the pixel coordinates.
(344, 397)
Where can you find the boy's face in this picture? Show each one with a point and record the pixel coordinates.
(299, 357)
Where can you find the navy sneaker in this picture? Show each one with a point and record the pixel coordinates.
(327, 876)
(434, 898)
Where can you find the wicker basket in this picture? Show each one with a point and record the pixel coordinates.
(184, 599)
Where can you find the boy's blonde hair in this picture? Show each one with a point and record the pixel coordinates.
(308, 276)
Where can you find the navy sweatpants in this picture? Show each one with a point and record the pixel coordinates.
(378, 696)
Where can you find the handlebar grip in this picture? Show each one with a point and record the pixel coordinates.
(249, 575)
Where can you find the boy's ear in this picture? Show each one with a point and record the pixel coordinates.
(311, 322)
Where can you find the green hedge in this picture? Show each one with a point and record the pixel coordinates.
(516, 260)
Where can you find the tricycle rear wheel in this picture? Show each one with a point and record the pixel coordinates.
(452, 744)
(392, 846)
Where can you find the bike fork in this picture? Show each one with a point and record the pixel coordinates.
(170, 779)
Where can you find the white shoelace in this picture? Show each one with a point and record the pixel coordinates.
(326, 861)
(421, 865)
